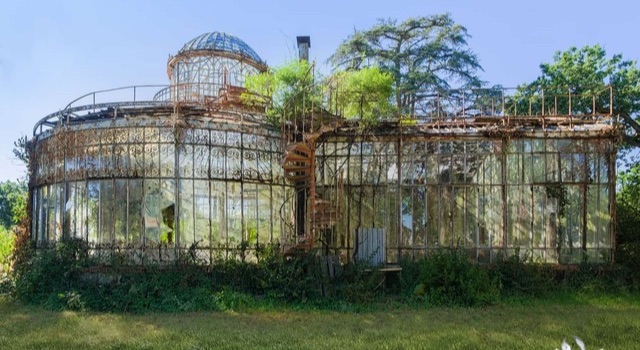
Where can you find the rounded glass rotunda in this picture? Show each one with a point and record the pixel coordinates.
(163, 172)
(207, 65)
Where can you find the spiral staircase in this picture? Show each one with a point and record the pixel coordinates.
(299, 164)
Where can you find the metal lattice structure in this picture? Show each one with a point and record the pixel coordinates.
(159, 171)
(167, 169)
(207, 65)
(487, 171)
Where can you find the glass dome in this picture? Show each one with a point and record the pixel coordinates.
(217, 41)
(208, 66)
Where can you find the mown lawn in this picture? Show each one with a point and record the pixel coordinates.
(601, 321)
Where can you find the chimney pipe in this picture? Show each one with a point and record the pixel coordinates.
(304, 43)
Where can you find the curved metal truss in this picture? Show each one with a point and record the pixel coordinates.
(222, 42)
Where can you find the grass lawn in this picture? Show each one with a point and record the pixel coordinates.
(601, 321)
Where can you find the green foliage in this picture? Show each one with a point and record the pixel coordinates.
(286, 89)
(20, 149)
(447, 277)
(423, 55)
(628, 221)
(294, 90)
(6, 247)
(365, 93)
(522, 279)
(629, 193)
(66, 276)
(587, 71)
(13, 200)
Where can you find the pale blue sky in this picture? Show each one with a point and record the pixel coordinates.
(54, 51)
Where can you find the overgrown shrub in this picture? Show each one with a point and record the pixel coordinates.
(67, 276)
(447, 277)
(6, 247)
(628, 240)
(519, 278)
(50, 271)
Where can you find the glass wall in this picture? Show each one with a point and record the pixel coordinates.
(211, 186)
(196, 77)
(545, 199)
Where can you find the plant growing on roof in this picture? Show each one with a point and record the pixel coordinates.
(286, 91)
(365, 93)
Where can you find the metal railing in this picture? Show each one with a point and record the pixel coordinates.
(310, 108)
(195, 93)
(137, 96)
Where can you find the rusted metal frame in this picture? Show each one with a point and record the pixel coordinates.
(210, 208)
(193, 192)
(176, 192)
(426, 203)
(360, 193)
(584, 185)
(610, 157)
(610, 100)
(338, 174)
(312, 193)
(244, 233)
(411, 191)
(503, 182)
(532, 203)
(173, 60)
(65, 187)
(271, 199)
(400, 145)
(348, 199)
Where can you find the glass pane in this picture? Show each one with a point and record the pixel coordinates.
(202, 210)
(93, 189)
(135, 211)
(120, 213)
(107, 211)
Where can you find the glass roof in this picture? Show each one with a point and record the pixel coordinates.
(219, 41)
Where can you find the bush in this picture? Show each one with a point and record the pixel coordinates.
(66, 276)
(628, 241)
(448, 277)
(6, 247)
(519, 278)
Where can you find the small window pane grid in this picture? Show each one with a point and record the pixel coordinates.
(196, 78)
(548, 200)
(151, 192)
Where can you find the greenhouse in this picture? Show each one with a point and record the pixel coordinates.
(144, 174)
(192, 168)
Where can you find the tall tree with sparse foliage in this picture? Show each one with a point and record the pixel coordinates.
(424, 55)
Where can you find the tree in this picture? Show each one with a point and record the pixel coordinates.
(424, 56)
(20, 149)
(294, 90)
(588, 71)
(289, 89)
(13, 199)
(365, 93)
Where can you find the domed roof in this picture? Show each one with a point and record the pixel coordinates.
(219, 41)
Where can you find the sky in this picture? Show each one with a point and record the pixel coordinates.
(54, 51)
